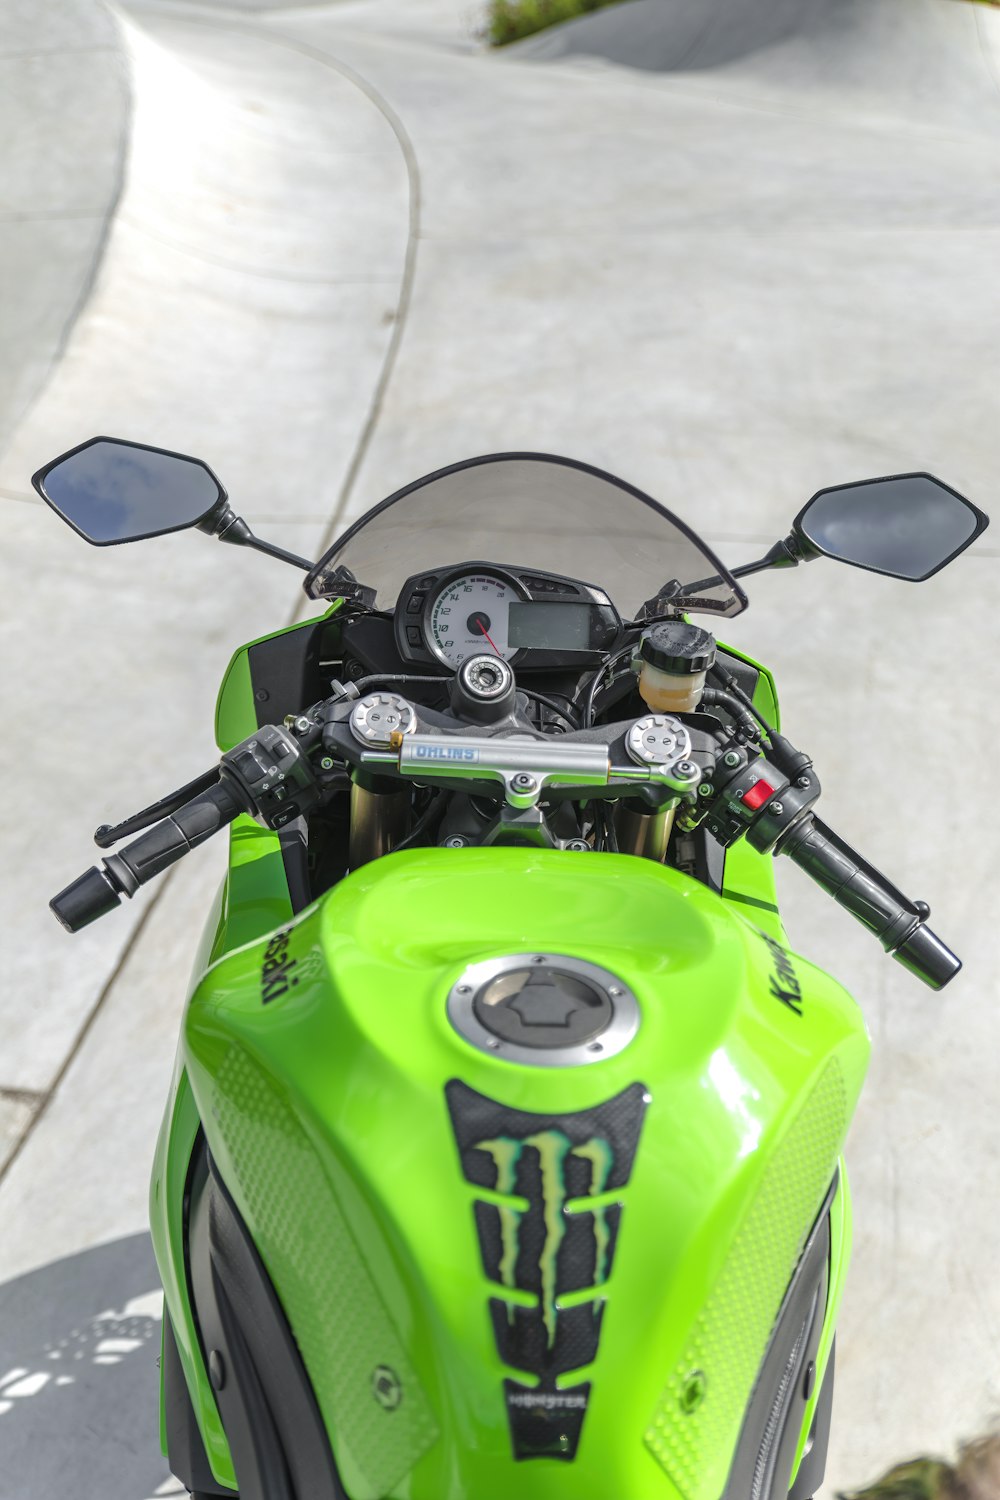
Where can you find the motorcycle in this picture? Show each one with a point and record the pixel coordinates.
(503, 1151)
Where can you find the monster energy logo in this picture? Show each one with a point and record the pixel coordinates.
(553, 1148)
(548, 1225)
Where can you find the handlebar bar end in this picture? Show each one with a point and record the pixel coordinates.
(924, 954)
(89, 897)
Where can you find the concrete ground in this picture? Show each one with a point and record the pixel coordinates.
(735, 251)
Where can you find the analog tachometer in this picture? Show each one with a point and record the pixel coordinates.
(469, 617)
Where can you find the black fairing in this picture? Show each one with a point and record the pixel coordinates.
(276, 1435)
(813, 1466)
(185, 1449)
(762, 1465)
(286, 674)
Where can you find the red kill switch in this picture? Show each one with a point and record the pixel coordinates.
(757, 795)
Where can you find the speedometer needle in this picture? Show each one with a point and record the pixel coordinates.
(486, 633)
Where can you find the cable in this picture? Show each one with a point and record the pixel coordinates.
(743, 717)
(422, 824)
(551, 703)
(364, 683)
(731, 685)
(608, 666)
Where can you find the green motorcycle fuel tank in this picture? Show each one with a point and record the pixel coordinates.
(503, 1154)
(579, 1265)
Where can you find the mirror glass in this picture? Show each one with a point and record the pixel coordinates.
(908, 526)
(111, 491)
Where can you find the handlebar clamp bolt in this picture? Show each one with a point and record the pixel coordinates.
(522, 782)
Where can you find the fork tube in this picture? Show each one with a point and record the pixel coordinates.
(643, 830)
(380, 818)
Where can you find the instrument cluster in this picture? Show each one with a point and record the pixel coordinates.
(531, 619)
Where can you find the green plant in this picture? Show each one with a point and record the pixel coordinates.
(975, 1476)
(509, 20)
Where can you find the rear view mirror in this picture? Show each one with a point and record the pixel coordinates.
(907, 526)
(112, 491)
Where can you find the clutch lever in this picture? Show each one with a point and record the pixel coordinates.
(109, 834)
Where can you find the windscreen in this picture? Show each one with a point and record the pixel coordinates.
(531, 510)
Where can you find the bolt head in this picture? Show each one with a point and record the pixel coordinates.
(216, 1369)
(692, 1391)
(731, 758)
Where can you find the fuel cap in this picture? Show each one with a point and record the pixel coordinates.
(543, 1009)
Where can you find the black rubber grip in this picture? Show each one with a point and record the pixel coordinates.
(862, 890)
(153, 852)
(100, 890)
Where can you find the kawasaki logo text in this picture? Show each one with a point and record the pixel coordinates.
(276, 976)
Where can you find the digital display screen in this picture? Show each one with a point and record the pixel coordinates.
(552, 627)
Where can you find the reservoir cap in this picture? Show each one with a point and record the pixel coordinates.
(676, 647)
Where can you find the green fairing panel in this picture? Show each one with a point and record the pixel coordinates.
(326, 1112)
(256, 897)
(253, 900)
(840, 1256)
(178, 1134)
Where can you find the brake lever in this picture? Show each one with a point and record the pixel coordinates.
(108, 834)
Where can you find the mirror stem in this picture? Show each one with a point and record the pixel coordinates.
(784, 554)
(229, 527)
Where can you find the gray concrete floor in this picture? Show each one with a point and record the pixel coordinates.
(733, 263)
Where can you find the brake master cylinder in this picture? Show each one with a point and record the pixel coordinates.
(672, 661)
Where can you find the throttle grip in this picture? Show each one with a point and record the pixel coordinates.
(854, 884)
(99, 891)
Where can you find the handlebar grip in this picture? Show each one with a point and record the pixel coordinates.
(854, 884)
(98, 891)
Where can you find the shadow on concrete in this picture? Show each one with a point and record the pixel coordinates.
(934, 60)
(679, 35)
(79, 1378)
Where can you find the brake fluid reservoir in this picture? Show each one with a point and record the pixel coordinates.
(673, 660)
